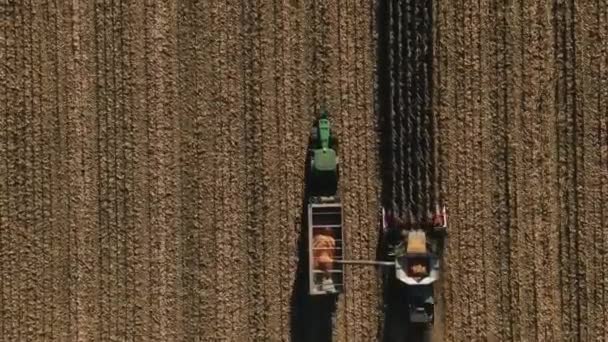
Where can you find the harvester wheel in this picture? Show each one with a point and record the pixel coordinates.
(440, 231)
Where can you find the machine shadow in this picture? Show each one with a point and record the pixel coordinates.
(311, 316)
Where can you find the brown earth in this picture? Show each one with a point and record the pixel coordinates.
(152, 163)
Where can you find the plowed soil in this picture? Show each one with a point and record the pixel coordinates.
(152, 165)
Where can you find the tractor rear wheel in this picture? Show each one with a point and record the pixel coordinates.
(314, 135)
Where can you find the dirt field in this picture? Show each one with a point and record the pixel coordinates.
(152, 161)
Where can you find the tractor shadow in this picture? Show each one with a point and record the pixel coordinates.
(311, 316)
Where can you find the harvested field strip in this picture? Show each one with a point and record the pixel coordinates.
(540, 164)
(590, 120)
(153, 186)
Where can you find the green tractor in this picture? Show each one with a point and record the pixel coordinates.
(324, 161)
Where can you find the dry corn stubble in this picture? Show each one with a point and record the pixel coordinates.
(152, 163)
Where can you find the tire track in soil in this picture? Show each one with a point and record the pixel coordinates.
(198, 271)
(257, 173)
(160, 26)
(233, 308)
(591, 58)
(10, 242)
(9, 317)
(290, 123)
(35, 217)
(80, 134)
(369, 177)
(111, 235)
(254, 159)
(500, 60)
(27, 228)
(27, 309)
(602, 329)
(136, 317)
(292, 129)
(567, 163)
(4, 195)
(57, 298)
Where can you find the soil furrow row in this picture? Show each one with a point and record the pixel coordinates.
(283, 92)
(4, 194)
(458, 154)
(165, 289)
(21, 206)
(55, 123)
(603, 178)
(489, 299)
(113, 179)
(590, 57)
(443, 104)
(231, 49)
(369, 201)
(7, 75)
(46, 128)
(38, 223)
(10, 243)
(214, 232)
(25, 212)
(566, 103)
(81, 137)
(502, 177)
(206, 205)
(238, 144)
(469, 247)
(269, 110)
(121, 192)
(546, 238)
(525, 178)
(580, 122)
(350, 171)
(103, 99)
(357, 172)
(188, 112)
(137, 234)
(257, 184)
(208, 155)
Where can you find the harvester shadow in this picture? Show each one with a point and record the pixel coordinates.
(311, 316)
